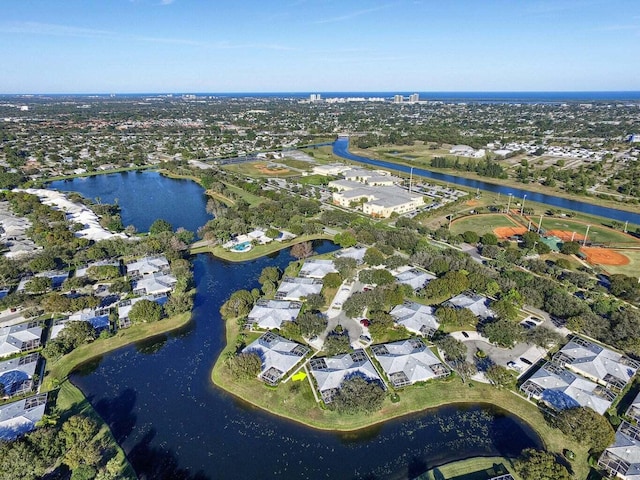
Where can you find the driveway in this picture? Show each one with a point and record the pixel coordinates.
(337, 316)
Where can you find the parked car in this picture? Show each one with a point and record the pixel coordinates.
(365, 322)
(364, 338)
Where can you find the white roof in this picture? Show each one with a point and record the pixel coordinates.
(415, 317)
(317, 268)
(476, 303)
(148, 265)
(330, 372)
(272, 313)
(297, 288)
(409, 359)
(563, 389)
(155, 283)
(415, 278)
(597, 362)
(20, 417)
(625, 452)
(357, 253)
(13, 338)
(278, 355)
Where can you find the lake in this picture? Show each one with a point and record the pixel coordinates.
(174, 423)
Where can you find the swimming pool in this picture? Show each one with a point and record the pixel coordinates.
(241, 247)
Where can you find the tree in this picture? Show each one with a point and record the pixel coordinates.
(103, 272)
(570, 248)
(373, 256)
(357, 394)
(311, 324)
(78, 434)
(500, 376)
(239, 305)
(346, 266)
(315, 302)
(503, 332)
(302, 250)
(245, 365)
(345, 239)
(470, 237)
(530, 239)
(489, 239)
(456, 316)
(336, 343)
(332, 280)
(454, 350)
(540, 465)
(38, 285)
(542, 337)
(160, 226)
(145, 311)
(269, 274)
(586, 426)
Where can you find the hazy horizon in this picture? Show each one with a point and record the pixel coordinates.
(137, 46)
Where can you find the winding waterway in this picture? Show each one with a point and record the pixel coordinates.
(341, 149)
(174, 424)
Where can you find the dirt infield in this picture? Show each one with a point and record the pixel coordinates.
(270, 171)
(604, 256)
(507, 232)
(472, 203)
(565, 235)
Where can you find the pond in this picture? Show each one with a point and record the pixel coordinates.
(175, 424)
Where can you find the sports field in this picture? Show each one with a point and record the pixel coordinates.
(567, 229)
(500, 224)
(260, 169)
(629, 261)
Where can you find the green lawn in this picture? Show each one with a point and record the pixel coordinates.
(597, 233)
(295, 401)
(477, 468)
(257, 251)
(631, 269)
(481, 224)
(314, 180)
(70, 401)
(297, 164)
(58, 371)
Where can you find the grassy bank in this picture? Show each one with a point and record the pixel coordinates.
(41, 182)
(257, 251)
(70, 401)
(58, 371)
(295, 401)
(487, 467)
(381, 153)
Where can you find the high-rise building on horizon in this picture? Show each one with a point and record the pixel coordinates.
(314, 97)
(414, 98)
(398, 99)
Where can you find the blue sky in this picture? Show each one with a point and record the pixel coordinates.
(128, 46)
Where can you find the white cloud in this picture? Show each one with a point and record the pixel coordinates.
(354, 14)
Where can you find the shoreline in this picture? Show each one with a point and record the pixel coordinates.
(415, 400)
(60, 370)
(256, 252)
(623, 207)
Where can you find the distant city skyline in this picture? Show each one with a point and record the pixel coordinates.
(131, 46)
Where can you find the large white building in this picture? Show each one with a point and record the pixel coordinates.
(377, 201)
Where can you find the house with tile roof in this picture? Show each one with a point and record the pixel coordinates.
(417, 318)
(270, 314)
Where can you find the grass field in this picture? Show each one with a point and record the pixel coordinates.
(477, 468)
(483, 223)
(296, 164)
(260, 170)
(632, 269)
(597, 233)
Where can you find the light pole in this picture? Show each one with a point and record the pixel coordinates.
(540, 223)
(410, 179)
(509, 204)
(586, 234)
(522, 209)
